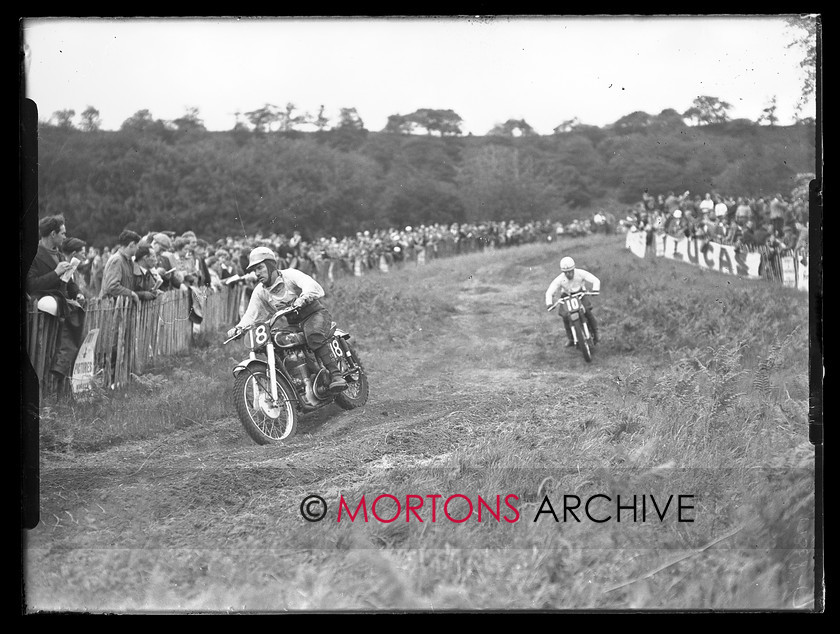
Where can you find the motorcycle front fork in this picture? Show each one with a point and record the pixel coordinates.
(585, 326)
(272, 370)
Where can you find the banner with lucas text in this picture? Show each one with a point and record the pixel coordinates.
(722, 258)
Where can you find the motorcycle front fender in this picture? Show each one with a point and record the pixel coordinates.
(249, 363)
(258, 364)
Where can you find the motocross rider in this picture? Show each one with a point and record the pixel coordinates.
(572, 280)
(280, 288)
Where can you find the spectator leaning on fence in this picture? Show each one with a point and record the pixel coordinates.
(49, 279)
(743, 211)
(200, 251)
(707, 204)
(74, 248)
(778, 212)
(147, 282)
(721, 208)
(162, 246)
(118, 278)
(789, 237)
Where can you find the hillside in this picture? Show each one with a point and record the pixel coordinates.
(339, 182)
(161, 502)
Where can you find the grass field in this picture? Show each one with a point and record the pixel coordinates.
(157, 501)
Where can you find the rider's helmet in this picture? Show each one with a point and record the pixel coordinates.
(567, 264)
(48, 304)
(260, 254)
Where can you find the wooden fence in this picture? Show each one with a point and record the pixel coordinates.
(132, 339)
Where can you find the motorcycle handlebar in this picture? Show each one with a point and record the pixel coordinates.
(578, 294)
(236, 336)
(280, 313)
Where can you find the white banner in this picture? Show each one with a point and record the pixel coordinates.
(636, 241)
(670, 250)
(84, 368)
(659, 244)
(802, 278)
(788, 271)
(711, 255)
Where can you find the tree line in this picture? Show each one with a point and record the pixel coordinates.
(268, 174)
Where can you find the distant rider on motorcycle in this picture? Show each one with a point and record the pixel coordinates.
(572, 280)
(281, 288)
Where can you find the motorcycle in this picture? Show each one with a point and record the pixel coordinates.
(573, 305)
(282, 378)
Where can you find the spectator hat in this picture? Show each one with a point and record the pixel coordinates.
(163, 240)
(71, 245)
(142, 251)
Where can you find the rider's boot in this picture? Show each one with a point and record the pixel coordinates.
(337, 382)
(593, 326)
(571, 340)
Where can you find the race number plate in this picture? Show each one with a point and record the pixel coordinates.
(258, 336)
(336, 349)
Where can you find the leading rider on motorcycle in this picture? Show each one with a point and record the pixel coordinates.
(572, 280)
(280, 288)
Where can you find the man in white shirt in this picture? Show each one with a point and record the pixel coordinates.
(280, 288)
(721, 209)
(571, 280)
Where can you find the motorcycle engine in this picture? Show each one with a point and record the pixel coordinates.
(295, 362)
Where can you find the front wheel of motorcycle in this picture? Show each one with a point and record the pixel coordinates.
(265, 420)
(584, 342)
(358, 389)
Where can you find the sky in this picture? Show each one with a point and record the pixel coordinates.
(545, 70)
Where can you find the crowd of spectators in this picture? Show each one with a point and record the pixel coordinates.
(165, 260)
(749, 223)
(144, 266)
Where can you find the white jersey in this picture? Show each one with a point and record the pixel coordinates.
(290, 285)
(581, 281)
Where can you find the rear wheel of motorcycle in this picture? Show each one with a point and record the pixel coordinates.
(358, 389)
(584, 344)
(264, 421)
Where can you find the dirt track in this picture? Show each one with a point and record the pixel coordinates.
(409, 413)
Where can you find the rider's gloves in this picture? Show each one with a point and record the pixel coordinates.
(234, 332)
